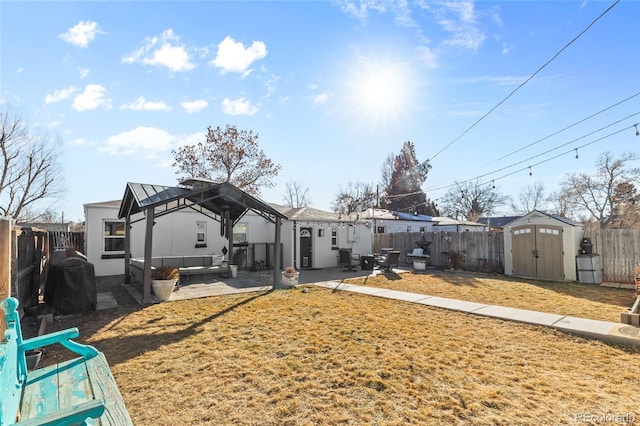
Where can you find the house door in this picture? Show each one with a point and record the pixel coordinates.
(306, 248)
(537, 252)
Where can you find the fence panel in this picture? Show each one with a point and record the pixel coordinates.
(619, 251)
(479, 250)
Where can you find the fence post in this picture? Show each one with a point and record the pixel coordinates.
(5, 266)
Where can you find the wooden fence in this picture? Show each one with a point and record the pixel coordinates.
(5, 266)
(619, 249)
(478, 250)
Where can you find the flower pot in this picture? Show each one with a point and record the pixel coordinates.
(33, 358)
(163, 288)
(289, 279)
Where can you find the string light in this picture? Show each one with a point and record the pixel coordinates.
(577, 153)
(637, 132)
(493, 184)
(530, 172)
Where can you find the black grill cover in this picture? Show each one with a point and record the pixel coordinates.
(71, 285)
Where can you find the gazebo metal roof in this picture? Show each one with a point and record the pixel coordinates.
(216, 198)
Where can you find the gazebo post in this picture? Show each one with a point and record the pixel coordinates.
(148, 242)
(276, 266)
(127, 249)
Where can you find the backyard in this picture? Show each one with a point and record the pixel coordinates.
(331, 357)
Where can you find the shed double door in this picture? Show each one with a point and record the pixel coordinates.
(537, 252)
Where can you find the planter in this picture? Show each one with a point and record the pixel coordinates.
(289, 279)
(163, 288)
(33, 358)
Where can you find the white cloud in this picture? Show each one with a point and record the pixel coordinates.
(149, 141)
(234, 57)
(77, 142)
(59, 95)
(83, 72)
(427, 57)
(81, 34)
(141, 104)
(238, 107)
(163, 51)
(194, 106)
(360, 9)
(92, 97)
(464, 31)
(322, 98)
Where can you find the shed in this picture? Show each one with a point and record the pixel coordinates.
(542, 246)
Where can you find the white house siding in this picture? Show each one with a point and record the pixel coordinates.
(175, 234)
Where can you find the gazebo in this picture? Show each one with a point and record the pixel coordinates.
(222, 202)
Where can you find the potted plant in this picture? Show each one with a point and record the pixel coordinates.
(163, 280)
(289, 277)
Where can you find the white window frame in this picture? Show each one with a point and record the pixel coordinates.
(112, 237)
(237, 227)
(201, 228)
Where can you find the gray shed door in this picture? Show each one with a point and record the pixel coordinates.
(537, 252)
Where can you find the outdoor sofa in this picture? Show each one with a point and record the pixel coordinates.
(186, 265)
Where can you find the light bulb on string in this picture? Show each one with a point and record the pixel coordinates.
(637, 132)
(530, 172)
(577, 153)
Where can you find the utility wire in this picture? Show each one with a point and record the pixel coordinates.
(562, 130)
(525, 82)
(540, 162)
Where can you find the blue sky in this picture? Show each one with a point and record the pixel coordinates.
(332, 88)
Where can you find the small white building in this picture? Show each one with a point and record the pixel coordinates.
(310, 238)
(447, 224)
(382, 221)
(542, 246)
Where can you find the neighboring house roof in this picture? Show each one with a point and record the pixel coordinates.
(497, 222)
(217, 198)
(309, 214)
(112, 203)
(394, 215)
(447, 221)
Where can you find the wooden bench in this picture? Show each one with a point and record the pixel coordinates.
(68, 393)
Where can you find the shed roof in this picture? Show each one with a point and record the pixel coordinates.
(214, 197)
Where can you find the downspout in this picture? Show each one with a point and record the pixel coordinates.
(295, 244)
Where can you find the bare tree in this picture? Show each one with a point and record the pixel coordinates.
(354, 197)
(296, 196)
(560, 204)
(30, 167)
(595, 194)
(228, 155)
(472, 200)
(530, 198)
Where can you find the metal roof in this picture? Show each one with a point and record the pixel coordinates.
(214, 197)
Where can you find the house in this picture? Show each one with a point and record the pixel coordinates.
(383, 221)
(542, 246)
(498, 222)
(310, 238)
(447, 224)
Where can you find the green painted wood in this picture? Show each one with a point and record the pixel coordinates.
(105, 387)
(71, 392)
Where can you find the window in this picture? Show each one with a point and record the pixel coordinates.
(334, 237)
(201, 234)
(114, 235)
(240, 232)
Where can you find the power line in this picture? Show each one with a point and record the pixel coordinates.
(540, 162)
(562, 130)
(525, 82)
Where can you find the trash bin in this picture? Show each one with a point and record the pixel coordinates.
(234, 270)
(367, 262)
(586, 247)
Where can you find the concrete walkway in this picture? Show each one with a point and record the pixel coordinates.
(607, 331)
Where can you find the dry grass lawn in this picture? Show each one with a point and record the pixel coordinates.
(324, 357)
(565, 298)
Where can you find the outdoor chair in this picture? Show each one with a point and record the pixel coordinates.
(347, 260)
(392, 258)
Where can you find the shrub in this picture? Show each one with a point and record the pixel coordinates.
(165, 273)
(289, 270)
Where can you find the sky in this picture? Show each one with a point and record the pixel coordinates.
(484, 90)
